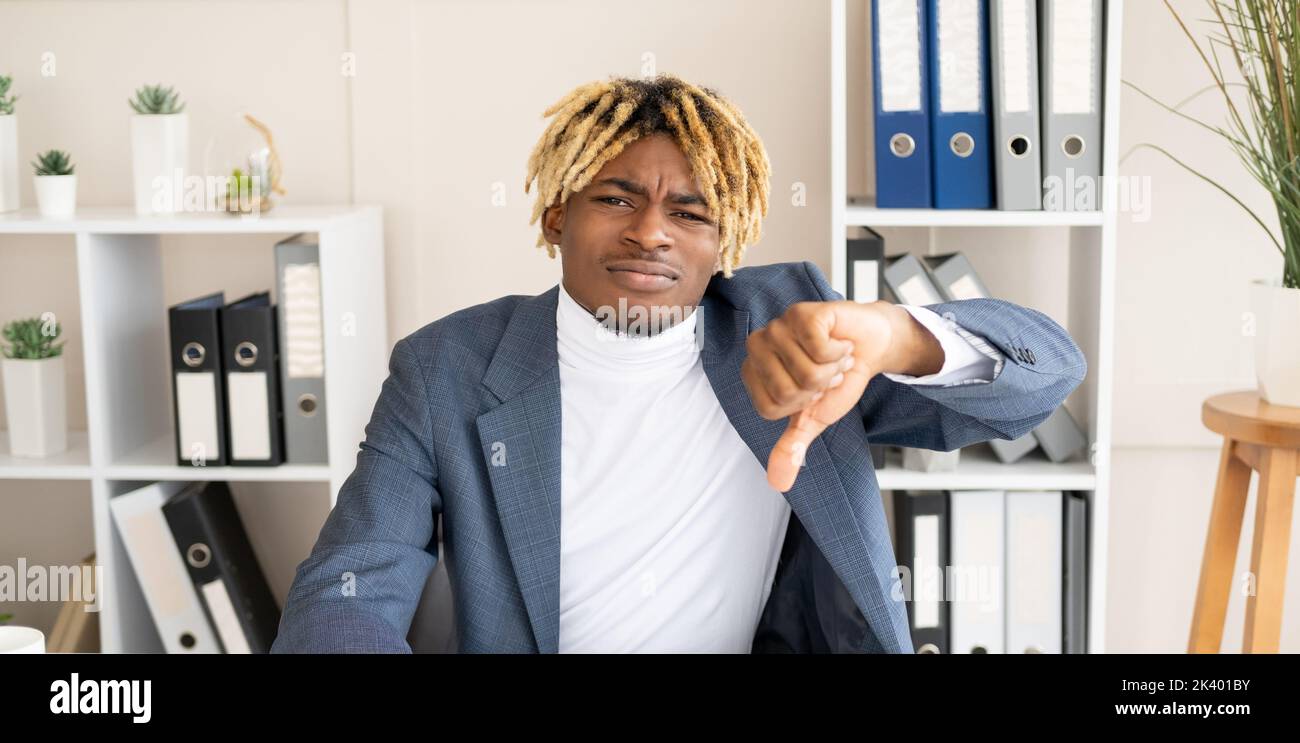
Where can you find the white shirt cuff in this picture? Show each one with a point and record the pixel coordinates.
(967, 358)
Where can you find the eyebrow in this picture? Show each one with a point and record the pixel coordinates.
(632, 187)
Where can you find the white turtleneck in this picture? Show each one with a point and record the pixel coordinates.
(669, 531)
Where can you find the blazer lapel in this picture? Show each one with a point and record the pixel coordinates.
(818, 497)
(521, 445)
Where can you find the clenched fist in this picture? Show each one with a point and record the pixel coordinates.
(812, 364)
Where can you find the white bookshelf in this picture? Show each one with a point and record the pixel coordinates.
(1091, 239)
(129, 436)
(856, 215)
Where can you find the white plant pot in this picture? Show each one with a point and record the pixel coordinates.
(9, 197)
(160, 146)
(18, 640)
(1277, 341)
(35, 406)
(56, 195)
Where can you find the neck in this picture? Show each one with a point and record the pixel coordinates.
(656, 318)
(637, 340)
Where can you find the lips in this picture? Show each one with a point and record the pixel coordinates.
(651, 268)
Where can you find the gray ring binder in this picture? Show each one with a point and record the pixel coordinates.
(1073, 146)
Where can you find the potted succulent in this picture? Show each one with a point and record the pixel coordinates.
(160, 141)
(9, 200)
(34, 379)
(56, 184)
(1258, 41)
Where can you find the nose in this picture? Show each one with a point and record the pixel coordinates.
(647, 230)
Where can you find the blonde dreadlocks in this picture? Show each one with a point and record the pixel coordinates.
(595, 121)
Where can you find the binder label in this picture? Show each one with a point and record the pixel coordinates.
(927, 580)
(1073, 47)
(866, 281)
(960, 86)
(964, 288)
(196, 401)
(304, 354)
(899, 40)
(1015, 60)
(224, 617)
(250, 415)
(915, 290)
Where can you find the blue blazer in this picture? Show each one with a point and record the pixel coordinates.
(467, 430)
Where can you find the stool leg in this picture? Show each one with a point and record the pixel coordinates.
(1269, 554)
(1220, 554)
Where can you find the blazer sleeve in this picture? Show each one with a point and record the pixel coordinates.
(1043, 365)
(359, 588)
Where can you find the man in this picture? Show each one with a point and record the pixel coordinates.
(663, 452)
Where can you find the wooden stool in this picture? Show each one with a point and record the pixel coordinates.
(1263, 437)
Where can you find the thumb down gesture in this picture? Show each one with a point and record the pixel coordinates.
(812, 365)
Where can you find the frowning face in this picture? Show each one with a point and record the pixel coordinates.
(640, 231)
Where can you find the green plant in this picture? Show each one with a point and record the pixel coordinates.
(32, 338)
(54, 162)
(155, 100)
(1260, 40)
(6, 100)
(238, 182)
(246, 183)
(6, 618)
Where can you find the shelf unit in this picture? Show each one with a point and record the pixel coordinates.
(129, 439)
(1091, 237)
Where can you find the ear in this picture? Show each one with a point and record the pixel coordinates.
(553, 223)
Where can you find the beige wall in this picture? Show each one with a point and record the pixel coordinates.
(1182, 282)
(1182, 276)
(75, 65)
(446, 104)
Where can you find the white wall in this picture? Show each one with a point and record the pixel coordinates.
(446, 103)
(1182, 282)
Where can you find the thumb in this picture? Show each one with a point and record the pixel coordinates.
(788, 455)
(806, 425)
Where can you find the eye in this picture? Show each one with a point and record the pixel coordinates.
(608, 199)
(694, 217)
